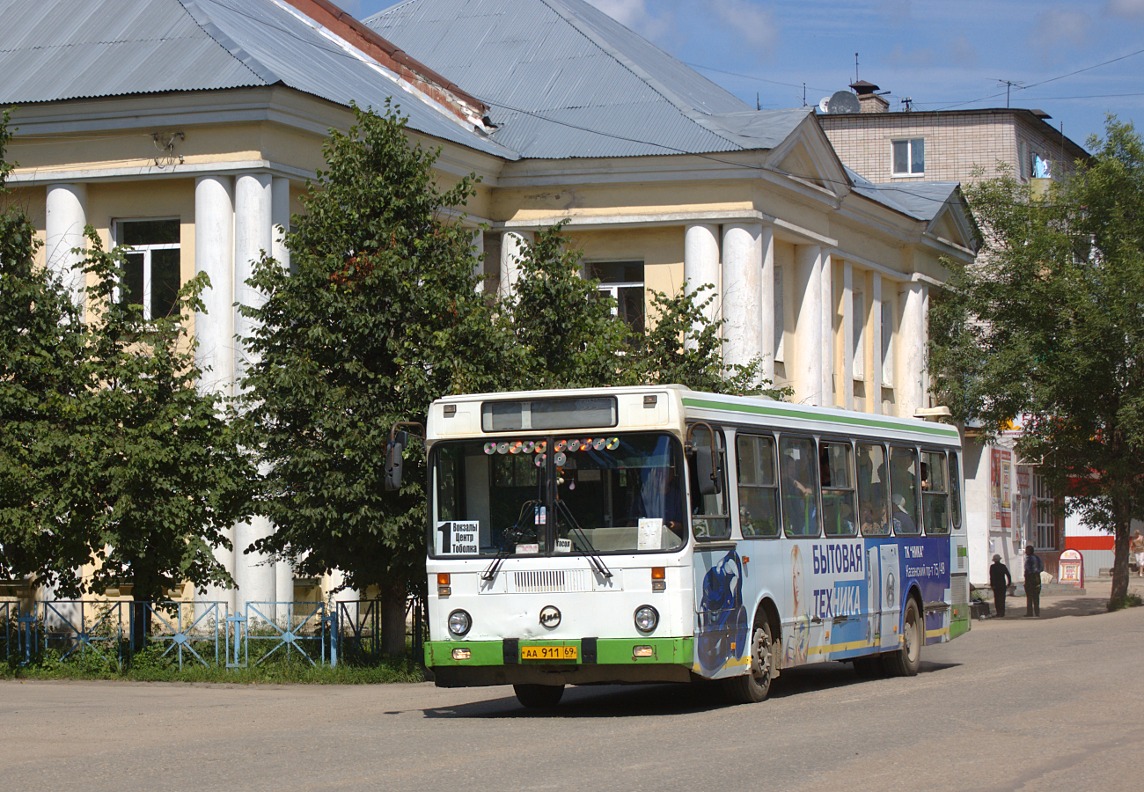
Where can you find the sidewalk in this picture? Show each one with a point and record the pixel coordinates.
(1059, 600)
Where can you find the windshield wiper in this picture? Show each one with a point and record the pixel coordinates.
(589, 551)
(512, 534)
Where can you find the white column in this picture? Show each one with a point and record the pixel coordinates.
(348, 597)
(806, 369)
(479, 259)
(742, 293)
(253, 234)
(826, 317)
(701, 264)
(847, 324)
(214, 326)
(513, 244)
(280, 215)
(767, 338)
(908, 373)
(876, 343)
(64, 224)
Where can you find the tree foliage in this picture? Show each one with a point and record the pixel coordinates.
(110, 458)
(1049, 326)
(41, 338)
(376, 315)
(159, 473)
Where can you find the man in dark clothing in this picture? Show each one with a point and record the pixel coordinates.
(999, 581)
(1033, 569)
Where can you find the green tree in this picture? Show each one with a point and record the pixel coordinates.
(564, 328)
(684, 346)
(158, 475)
(41, 338)
(108, 452)
(1049, 325)
(562, 325)
(377, 315)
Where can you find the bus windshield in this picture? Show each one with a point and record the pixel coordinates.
(550, 495)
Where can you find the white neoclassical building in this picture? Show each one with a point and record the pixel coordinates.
(189, 128)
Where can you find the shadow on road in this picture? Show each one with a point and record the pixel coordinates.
(615, 701)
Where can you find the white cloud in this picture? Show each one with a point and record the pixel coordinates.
(749, 22)
(1125, 8)
(1057, 28)
(634, 14)
(628, 12)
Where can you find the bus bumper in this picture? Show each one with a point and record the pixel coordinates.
(593, 661)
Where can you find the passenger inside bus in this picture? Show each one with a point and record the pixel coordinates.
(800, 513)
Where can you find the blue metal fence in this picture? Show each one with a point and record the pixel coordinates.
(80, 626)
(201, 633)
(188, 637)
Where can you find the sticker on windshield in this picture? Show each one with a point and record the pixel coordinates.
(458, 537)
(650, 530)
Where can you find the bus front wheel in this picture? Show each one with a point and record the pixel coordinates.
(754, 686)
(906, 660)
(539, 696)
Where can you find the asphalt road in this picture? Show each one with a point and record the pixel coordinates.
(1018, 704)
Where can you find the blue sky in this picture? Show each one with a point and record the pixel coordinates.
(1075, 60)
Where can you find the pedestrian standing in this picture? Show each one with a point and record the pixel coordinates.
(1136, 547)
(1033, 569)
(999, 581)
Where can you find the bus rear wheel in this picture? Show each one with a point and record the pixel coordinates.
(906, 660)
(754, 686)
(539, 696)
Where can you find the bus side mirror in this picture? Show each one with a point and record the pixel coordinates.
(394, 460)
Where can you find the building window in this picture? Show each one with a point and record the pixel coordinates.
(909, 157)
(151, 277)
(624, 281)
(1045, 536)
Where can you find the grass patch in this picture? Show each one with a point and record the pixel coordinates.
(1130, 600)
(151, 665)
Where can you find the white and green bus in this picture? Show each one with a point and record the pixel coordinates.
(658, 534)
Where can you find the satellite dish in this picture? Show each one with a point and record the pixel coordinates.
(824, 104)
(843, 102)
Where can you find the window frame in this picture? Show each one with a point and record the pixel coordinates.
(838, 494)
(757, 438)
(911, 144)
(813, 513)
(614, 288)
(146, 251)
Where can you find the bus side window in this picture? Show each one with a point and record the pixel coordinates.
(758, 488)
(904, 491)
(935, 493)
(955, 489)
(709, 514)
(799, 486)
(872, 492)
(836, 466)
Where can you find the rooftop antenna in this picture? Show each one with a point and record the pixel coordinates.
(907, 101)
(1009, 84)
(758, 105)
(855, 67)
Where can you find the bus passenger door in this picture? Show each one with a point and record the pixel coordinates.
(890, 585)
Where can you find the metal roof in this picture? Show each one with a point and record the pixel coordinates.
(564, 79)
(55, 50)
(919, 200)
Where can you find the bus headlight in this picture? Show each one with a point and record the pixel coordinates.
(647, 618)
(460, 622)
